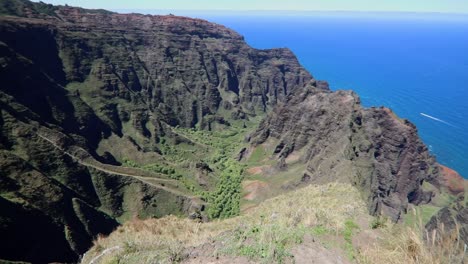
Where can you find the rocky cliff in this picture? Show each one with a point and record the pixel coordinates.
(337, 139)
(84, 91)
(105, 117)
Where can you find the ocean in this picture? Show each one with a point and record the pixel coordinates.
(416, 64)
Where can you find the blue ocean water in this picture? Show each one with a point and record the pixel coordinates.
(416, 64)
(411, 63)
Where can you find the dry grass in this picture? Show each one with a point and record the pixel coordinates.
(413, 244)
(268, 232)
(328, 206)
(143, 241)
(269, 229)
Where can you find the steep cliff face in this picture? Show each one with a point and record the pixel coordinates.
(337, 139)
(103, 117)
(83, 91)
(184, 69)
(154, 71)
(55, 196)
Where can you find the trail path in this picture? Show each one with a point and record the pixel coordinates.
(115, 170)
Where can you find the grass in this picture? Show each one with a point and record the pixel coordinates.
(270, 232)
(266, 233)
(423, 214)
(379, 222)
(412, 244)
(348, 232)
(258, 154)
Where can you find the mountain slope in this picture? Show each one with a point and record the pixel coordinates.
(371, 148)
(106, 117)
(86, 91)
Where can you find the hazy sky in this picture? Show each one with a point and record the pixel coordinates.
(444, 6)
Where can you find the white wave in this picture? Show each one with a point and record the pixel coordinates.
(437, 119)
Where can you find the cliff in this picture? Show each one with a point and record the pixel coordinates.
(337, 139)
(85, 91)
(105, 117)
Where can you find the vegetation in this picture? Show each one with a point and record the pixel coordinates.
(215, 150)
(414, 244)
(17, 7)
(348, 232)
(315, 216)
(164, 167)
(267, 233)
(225, 200)
(423, 214)
(378, 222)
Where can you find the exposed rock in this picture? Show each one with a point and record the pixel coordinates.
(74, 78)
(82, 89)
(340, 140)
(452, 218)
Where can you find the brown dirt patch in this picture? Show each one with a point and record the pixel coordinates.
(255, 170)
(366, 239)
(311, 251)
(207, 253)
(393, 116)
(254, 189)
(248, 208)
(452, 180)
(218, 260)
(293, 157)
(258, 170)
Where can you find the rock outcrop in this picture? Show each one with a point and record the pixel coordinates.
(338, 139)
(451, 221)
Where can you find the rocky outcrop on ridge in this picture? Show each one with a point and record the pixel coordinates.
(338, 139)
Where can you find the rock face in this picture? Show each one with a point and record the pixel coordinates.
(451, 221)
(82, 90)
(337, 139)
(450, 218)
(74, 78)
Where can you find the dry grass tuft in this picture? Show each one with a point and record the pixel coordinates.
(414, 244)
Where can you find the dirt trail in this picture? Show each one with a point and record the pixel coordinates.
(101, 167)
(308, 252)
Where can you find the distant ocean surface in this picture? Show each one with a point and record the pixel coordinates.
(415, 64)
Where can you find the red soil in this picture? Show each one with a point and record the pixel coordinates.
(254, 189)
(255, 170)
(452, 180)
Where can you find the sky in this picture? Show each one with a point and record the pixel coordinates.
(439, 6)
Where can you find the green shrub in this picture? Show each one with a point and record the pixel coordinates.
(225, 200)
(378, 222)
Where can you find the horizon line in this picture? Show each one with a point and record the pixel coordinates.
(292, 11)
